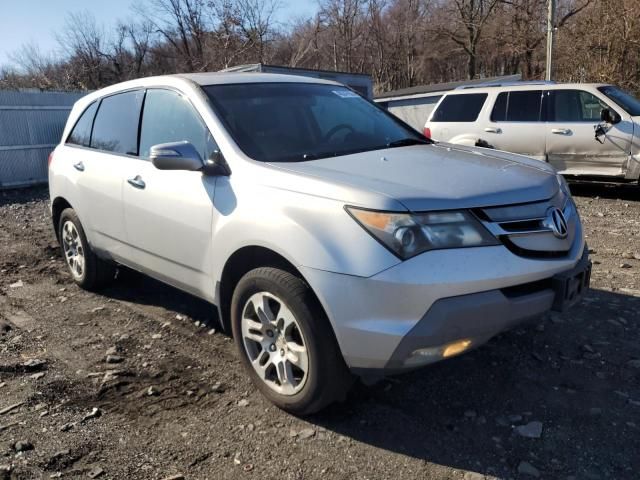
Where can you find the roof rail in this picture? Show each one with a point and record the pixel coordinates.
(507, 84)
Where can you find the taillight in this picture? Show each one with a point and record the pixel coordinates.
(50, 159)
(427, 132)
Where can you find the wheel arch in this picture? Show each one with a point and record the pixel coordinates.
(238, 264)
(58, 205)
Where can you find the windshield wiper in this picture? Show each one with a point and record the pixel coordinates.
(405, 142)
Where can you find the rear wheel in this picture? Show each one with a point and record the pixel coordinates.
(286, 342)
(87, 269)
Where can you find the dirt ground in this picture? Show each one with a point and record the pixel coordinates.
(554, 399)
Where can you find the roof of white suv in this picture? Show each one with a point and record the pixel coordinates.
(533, 85)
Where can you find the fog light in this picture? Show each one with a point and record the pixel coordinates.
(456, 348)
(424, 356)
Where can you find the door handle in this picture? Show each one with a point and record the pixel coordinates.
(493, 130)
(561, 131)
(136, 182)
(79, 166)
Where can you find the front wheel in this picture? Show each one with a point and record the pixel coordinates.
(286, 342)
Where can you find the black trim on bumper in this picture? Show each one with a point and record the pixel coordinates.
(478, 316)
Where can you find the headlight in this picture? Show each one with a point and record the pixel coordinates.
(409, 234)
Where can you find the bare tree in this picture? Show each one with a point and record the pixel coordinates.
(256, 20)
(406, 22)
(467, 19)
(84, 42)
(35, 68)
(345, 22)
(522, 29)
(183, 25)
(303, 43)
(585, 53)
(140, 37)
(399, 42)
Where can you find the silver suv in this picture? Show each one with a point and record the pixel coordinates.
(334, 240)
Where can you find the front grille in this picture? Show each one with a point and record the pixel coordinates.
(522, 211)
(520, 226)
(524, 228)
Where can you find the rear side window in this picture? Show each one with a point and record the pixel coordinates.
(459, 108)
(116, 126)
(81, 133)
(518, 107)
(169, 117)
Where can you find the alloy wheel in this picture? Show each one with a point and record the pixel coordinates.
(274, 343)
(73, 250)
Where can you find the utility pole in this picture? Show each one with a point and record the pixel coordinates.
(550, 17)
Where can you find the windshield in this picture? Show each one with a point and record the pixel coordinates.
(623, 99)
(292, 122)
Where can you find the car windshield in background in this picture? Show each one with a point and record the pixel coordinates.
(625, 100)
(291, 122)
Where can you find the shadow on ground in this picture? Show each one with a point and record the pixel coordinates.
(570, 372)
(625, 191)
(135, 287)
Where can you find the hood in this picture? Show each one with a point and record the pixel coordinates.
(437, 177)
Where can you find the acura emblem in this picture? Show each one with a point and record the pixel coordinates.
(556, 222)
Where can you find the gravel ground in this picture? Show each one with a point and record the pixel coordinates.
(556, 399)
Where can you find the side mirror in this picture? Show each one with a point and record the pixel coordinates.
(609, 116)
(176, 156)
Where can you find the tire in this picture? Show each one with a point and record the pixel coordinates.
(87, 269)
(327, 378)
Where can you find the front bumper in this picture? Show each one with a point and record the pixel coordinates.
(434, 299)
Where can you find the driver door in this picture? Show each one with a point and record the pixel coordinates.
(168, 213)
(571, 145)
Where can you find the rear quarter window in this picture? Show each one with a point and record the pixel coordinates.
(81, 133)
(459, 108)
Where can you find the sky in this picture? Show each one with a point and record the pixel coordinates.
(37, 21)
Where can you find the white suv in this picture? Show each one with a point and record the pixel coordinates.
(580, 129)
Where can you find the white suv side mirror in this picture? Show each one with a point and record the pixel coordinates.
(176, 156)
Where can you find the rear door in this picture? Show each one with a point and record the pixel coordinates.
(168, 213)
(571, 144)
(77, 152)
(101, 166)
(516, 123)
